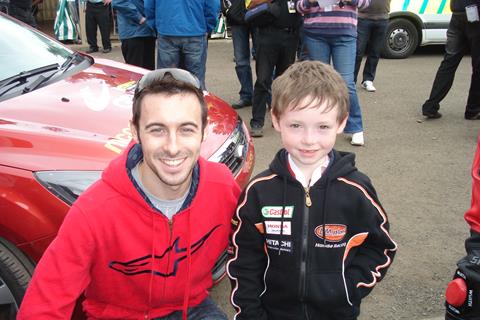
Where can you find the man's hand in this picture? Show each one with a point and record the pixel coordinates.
(106, 2)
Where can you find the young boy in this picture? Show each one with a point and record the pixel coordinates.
(311, 237)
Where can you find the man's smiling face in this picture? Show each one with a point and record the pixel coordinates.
(170, 133)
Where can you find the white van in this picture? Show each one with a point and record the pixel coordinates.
(415, 23)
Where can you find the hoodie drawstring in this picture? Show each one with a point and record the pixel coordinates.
(150, 285)
(186, 295)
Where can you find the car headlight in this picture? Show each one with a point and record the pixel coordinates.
(67, 185)
(234, 150)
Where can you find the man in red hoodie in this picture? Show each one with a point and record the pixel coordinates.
(141, 242)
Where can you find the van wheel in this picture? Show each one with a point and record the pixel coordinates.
(401, 39)
(15, 273)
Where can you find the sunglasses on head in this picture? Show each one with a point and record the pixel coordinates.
(160, 74)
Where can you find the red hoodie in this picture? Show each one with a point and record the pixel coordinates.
(126, 257)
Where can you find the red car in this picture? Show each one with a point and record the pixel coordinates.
(63, 117)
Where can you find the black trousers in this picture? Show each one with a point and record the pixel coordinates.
(461, 35)
(97, 14)
(276, 50)
(139, 51)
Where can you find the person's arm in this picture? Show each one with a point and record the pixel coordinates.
(375, 249)
(127, 9)
(305, 6)
(468, 268)
(360, 4)
(248, 260)
(149, 6)
(62, 274)
(212, 10)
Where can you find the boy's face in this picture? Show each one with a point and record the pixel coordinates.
(308, 134)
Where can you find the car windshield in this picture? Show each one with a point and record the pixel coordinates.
(23, 49)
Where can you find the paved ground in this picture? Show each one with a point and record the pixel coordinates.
(419, 168)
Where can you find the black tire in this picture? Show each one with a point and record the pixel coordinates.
(401, 39)
(15, 273)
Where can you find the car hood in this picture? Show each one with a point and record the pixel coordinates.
(82, 122)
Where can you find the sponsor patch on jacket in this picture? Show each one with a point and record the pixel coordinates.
(282, 245)
(273, 227)
(333, 232)
(276, 212)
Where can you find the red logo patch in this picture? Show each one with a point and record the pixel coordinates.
(333, 232)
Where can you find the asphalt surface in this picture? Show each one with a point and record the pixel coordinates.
(421, 170)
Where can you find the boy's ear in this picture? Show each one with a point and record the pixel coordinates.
(275, 121)
(342, 125)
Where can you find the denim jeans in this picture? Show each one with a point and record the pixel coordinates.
(241, 51)
(188, 53)
(341, 50)
(207, 310)
(371, 33)
(460, 35)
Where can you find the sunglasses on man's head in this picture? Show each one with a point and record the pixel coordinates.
(160, 74)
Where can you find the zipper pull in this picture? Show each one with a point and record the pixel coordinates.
(308, 200)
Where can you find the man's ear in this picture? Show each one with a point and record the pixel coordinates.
(275, 121)
(342, 125)
(204, 134)
(134, 132)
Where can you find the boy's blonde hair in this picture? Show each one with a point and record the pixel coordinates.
(314, 80)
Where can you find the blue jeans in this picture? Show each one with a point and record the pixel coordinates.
(207, 310)
(371, 33)
(341, 50)
(241, 51)
(188, 53)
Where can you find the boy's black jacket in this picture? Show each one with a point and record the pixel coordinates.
(296, 272)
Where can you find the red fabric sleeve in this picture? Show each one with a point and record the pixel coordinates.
(472, 216)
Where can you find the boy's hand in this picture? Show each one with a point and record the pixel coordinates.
(463, 292)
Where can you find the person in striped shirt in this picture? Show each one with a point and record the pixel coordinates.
(330, 34)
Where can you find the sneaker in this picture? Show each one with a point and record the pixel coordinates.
(474, 117)
(368, 85)
(92, 50)
(241, 104)
(107, 50)
(357, 139)
(256, 131)
(432, 114)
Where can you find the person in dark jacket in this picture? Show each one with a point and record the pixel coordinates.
(138, 39)
(462, 34)
(311, 238)
(277, 42)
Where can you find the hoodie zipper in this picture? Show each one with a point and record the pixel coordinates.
(170, 227)
(303, 260)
